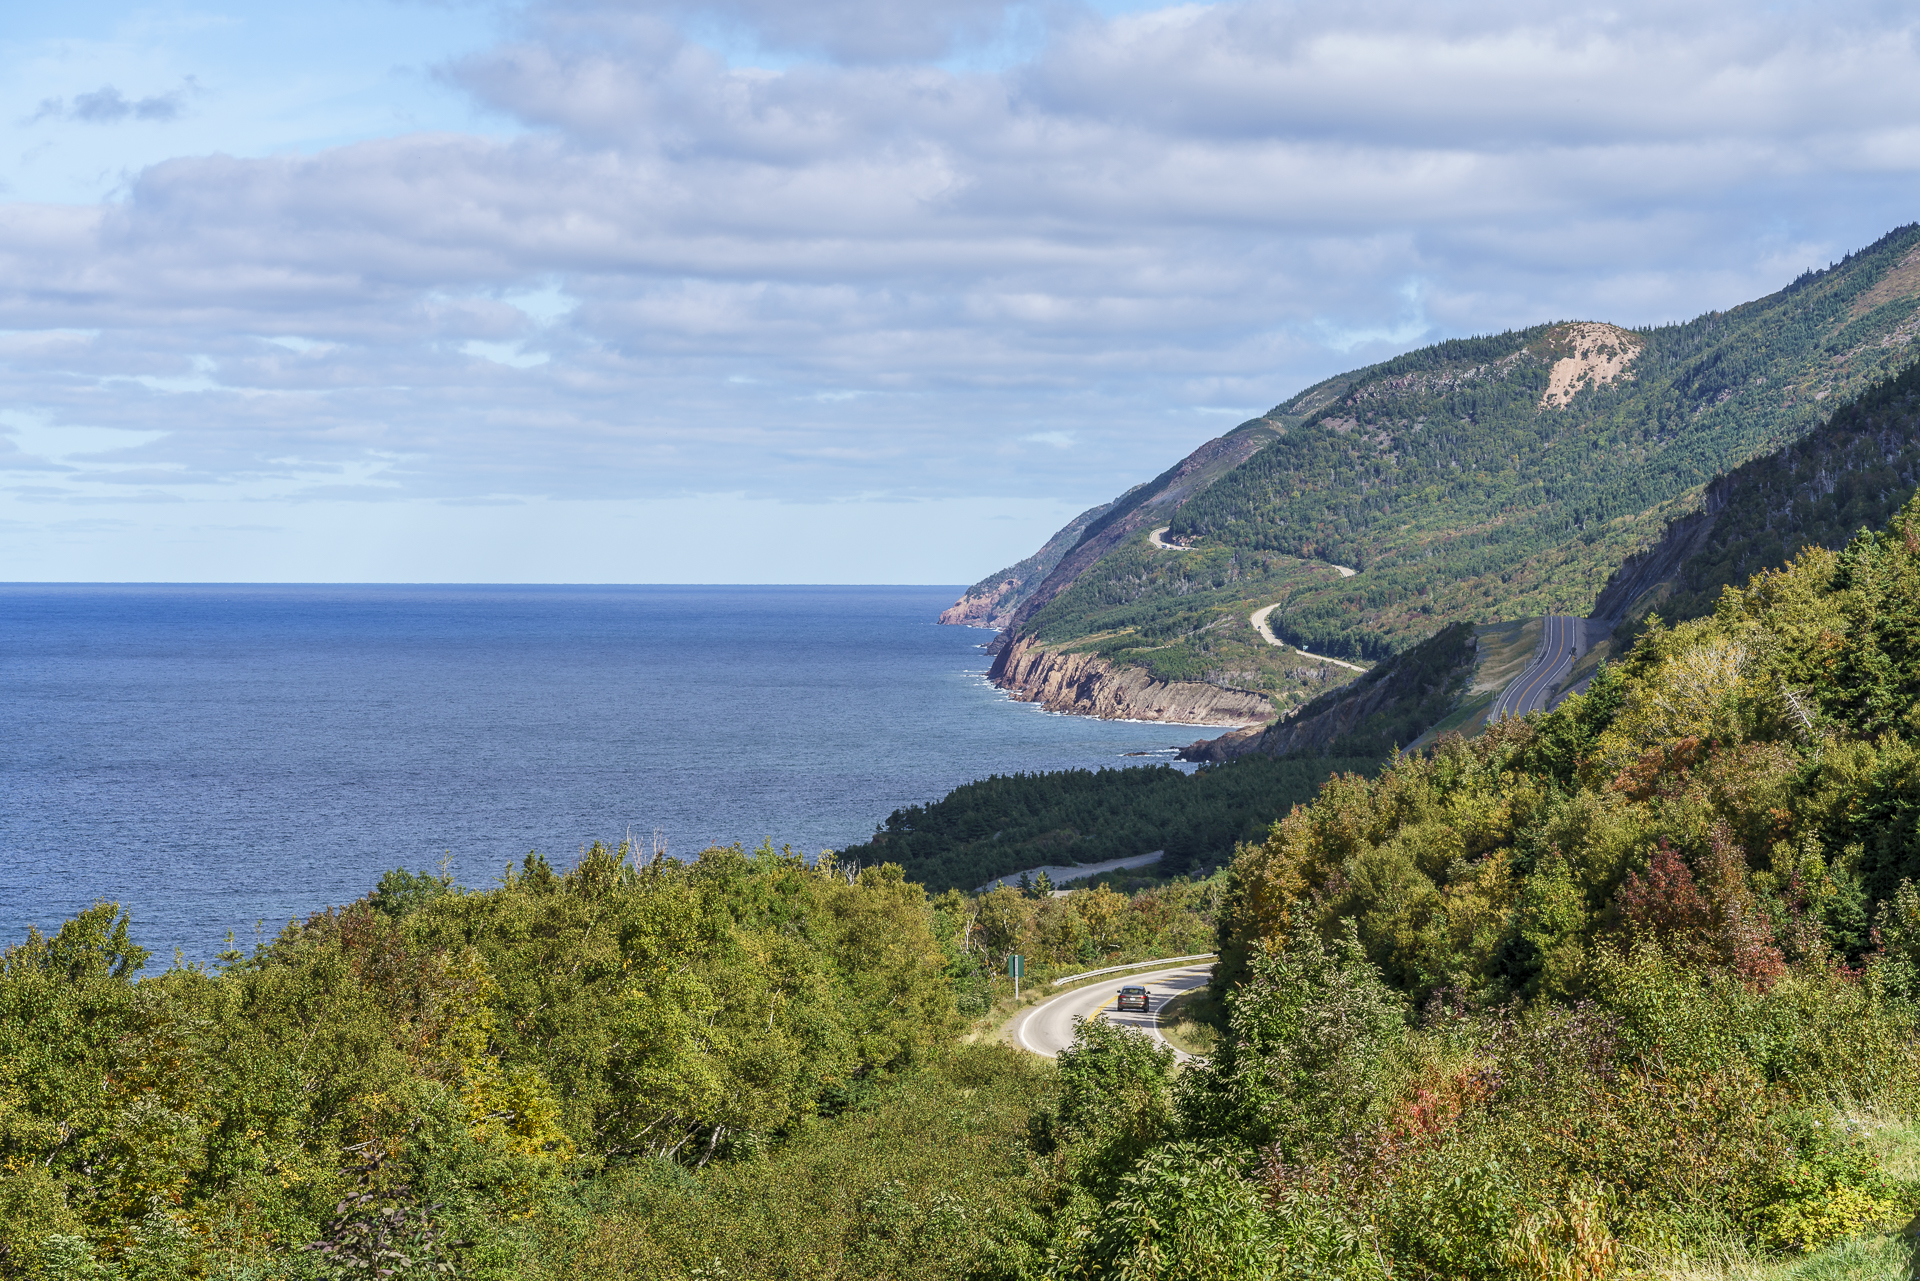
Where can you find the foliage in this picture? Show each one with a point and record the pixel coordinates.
(999, 825)
(400, 1082)
(926, 1176)
(383, 1231)
(1307, 1057)
(1460, 494)
(1183, 1214)
(1113, 1101)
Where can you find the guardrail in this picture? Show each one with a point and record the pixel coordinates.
(1137, 965)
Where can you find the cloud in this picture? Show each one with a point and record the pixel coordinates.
(843, 31)
(864, 271)
(107, 105)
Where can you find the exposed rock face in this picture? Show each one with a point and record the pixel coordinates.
(990, 607)
(1590, 355)
(1088, 685)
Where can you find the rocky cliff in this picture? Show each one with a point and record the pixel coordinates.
(991, 602)
(1088, 685)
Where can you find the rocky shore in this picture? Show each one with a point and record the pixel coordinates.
(990, 605)
(1088, 685)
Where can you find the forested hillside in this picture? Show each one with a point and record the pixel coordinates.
(1852, 473)
(1664, 950)
(1630, 989)
(1486, 478)
(999, 825)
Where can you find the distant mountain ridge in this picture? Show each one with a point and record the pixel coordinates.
(1475, 480)
(992, 601)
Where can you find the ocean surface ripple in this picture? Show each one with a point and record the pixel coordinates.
(224, 758)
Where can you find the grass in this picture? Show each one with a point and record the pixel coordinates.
(1891, 1253)
(1504, 650)
(1192, 1021)
(1874, 1256)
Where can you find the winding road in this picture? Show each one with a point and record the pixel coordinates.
(1528, 691)
(1047, 1028)
(1259, 620)
(1156, 539)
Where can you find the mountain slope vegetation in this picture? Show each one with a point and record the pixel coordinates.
(1855, 471)
(1000, 825)
(1479, 479)
(1627, 989)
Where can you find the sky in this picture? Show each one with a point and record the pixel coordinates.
(843, 291)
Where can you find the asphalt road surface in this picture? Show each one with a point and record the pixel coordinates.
(1528, 691)
(1259, 620)
(1047, 1028)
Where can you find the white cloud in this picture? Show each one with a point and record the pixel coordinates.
(827, 275)
(504, 353)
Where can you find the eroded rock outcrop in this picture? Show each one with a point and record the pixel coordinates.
(986, 605)
(1088, 685)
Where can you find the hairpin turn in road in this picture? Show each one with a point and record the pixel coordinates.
(1047, 1028)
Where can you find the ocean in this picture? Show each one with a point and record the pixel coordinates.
(226, 758)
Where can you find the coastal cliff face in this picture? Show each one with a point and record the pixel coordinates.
(1088, 685)
(984, 606)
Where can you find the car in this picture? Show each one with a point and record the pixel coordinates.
(1133, 998)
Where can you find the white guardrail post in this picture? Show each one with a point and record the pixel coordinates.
(1137, 965)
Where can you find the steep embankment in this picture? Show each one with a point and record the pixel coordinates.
(1852, 472)
(1473, 481)
(1089, 685)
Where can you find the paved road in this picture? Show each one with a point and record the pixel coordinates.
(1155, 538)
(1528, 691)
(1047, 1028)
(1259, 620)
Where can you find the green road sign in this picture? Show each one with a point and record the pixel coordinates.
(1017, 966)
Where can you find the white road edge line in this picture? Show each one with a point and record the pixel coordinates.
(1024, 1042)
(1154, 1031)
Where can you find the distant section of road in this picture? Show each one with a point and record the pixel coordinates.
(1071, 871)
(1158, 539)
(1165, 546)
(1259, 620)
(1047, 1028)
(1560, 644)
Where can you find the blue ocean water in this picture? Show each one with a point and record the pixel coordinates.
(216, 756)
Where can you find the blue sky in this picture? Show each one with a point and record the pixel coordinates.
(581, 290)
